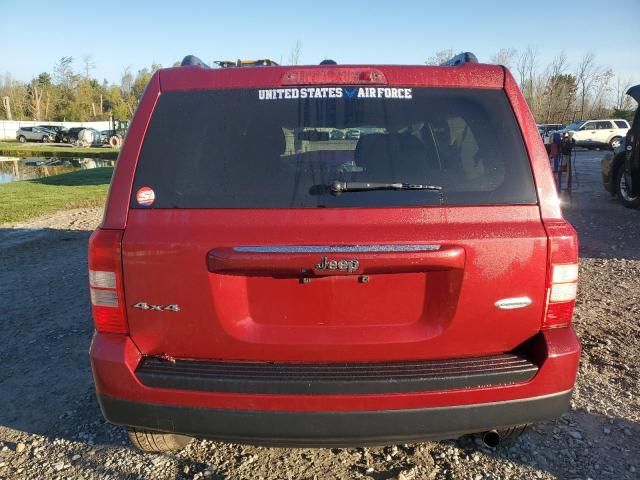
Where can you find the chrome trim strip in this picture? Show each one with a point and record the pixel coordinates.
(336, 248)
(513, 303)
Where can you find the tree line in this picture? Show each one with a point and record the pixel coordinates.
(72, 94)
(557, 92)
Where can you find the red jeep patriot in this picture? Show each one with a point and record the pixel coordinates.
(332, 255)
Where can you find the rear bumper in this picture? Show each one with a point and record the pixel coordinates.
(327, 417)
(336, 429)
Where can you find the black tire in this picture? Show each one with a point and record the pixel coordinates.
(22, 139)
(625, 198)
(45, 138)
(155, 442)
(613, 141)
(510, 434)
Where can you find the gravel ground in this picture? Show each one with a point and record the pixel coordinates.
(51, 427)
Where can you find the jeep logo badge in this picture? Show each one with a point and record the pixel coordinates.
(341, 265)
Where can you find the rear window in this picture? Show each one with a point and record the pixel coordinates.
(621, 124)
(285, 148)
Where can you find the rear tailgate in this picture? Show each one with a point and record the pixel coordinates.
(436, 309)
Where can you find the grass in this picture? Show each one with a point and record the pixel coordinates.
(31, 198)
(13, 148)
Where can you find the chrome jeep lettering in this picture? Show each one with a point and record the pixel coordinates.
(342, 265)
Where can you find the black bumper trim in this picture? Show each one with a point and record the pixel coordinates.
(343, 428)
(335, 378)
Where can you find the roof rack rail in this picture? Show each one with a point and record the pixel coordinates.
(460, 59)
(193, 61)
(263, 62)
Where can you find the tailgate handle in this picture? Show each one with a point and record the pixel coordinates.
(334, 260)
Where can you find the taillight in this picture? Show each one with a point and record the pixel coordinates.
(562, 282)
(105, 282)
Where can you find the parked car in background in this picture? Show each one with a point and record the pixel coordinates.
(69, 135)
(621, 168)
(597, 133)
(53, 129)
(545, 128)
(352, 134)
(33, 134)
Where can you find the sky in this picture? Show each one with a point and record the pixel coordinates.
(137, 33)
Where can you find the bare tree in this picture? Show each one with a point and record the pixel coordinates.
(504, 56)
(622, 101)
(126, 81)
(526, 66)
(87, 65)
(441, 56)
(586, 73)
(554, 75)
(294, 55)
(6, 103)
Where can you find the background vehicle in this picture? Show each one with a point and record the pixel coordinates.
(53, 129)
(598, 133)
(89, 137)
(546, 128)
(274, 296)
(618, 167)
(34, 134)
(632, 146)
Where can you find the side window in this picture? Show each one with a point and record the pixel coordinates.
(588, 126)
(605, 125)
(621, 124)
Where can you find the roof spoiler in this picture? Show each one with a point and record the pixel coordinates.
(460, 59)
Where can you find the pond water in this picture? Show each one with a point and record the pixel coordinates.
(28, 168)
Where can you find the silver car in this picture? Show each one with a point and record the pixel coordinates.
(37, 134)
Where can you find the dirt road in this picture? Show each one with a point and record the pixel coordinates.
(51, 427)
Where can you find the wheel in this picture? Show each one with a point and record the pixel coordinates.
(623, 187)
(615, 142)
(45, 138)
(155, 442)
(22, 139)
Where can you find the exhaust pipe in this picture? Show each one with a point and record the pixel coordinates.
(492, 438)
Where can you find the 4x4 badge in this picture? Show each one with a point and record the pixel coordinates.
(342, 265)
(174, 307)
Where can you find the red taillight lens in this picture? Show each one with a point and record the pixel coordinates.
(105, 282)
(562, 283)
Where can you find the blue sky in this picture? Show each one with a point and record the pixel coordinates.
(35, 34)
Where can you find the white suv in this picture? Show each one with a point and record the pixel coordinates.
(595, 133)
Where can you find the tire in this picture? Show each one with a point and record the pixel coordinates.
(615, 142)
(155, 442)
(622, 190)
(22, 139)
(45, 138)
(512, 433)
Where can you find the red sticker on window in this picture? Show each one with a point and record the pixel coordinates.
(145, 196)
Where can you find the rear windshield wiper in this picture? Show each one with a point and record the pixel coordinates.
(338, 187)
